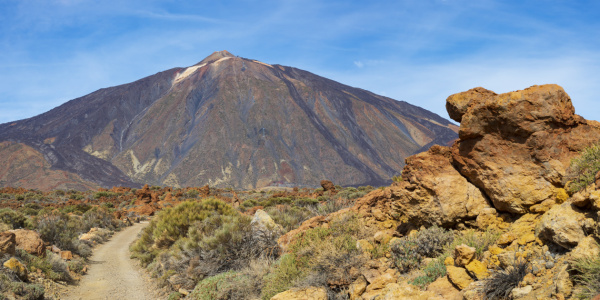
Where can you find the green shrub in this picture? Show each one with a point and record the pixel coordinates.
(76, 265)
(192, 194)
(332, 205)
(250, 203)
(76, 209)
(319, 257)
(226, 242)
(285, 273)
(76, 196)
(13, 218)
(215, 287)
(34, 196)
(397, 178)
(584, 168)
(105, 194)
(380, 250)
(434, 270)
(217, 244)
(99, 217)
(58, 228)
(289, 217)
(306, 202)
(62, 230)
(409, 251)
(171, 224)
(276, 201)
(367, 188)
(51, 265)
(31, 209)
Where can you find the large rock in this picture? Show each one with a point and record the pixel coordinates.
(562, 225)
(302, 294)
(444, 289)
(29, 241)
(262, 221)
(516, 146)
(328, 186)
(477, 269)
(357, 288)
(381, 281)
(7, 243)
(463, 255)
(432, 192)
(458, 276)
(587, 247)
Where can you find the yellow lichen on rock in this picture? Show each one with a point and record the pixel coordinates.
(458, 276)
(17, 267)
(561, 196)
(477, 269)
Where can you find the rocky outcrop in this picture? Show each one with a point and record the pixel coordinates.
(29, 241)
(511, 156)
(563, 226)
(328, 186)
(517, 146)
(432, 192)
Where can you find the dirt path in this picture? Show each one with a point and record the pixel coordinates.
(112, 274)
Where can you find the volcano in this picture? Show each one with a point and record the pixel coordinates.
(226, 122)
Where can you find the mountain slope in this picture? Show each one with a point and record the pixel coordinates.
(230, 121)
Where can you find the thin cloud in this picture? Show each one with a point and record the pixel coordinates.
(418, 51)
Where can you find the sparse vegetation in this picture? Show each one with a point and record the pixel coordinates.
(587, 276)
(408, 252)
(432, 271)
(584, 168)
(480, 240)
(8, 286)
(319, 257)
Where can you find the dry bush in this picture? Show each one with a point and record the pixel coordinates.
(501, 283)
(409, 251)
(587, 276)
(319, 257)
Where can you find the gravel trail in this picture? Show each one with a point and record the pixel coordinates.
(112, 274)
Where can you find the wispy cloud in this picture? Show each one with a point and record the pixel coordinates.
(418, 51)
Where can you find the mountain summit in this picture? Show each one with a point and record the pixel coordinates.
(226, 121)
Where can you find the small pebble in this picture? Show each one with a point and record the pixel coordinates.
(549, 265)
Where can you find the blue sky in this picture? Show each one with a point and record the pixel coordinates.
(420, 51)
